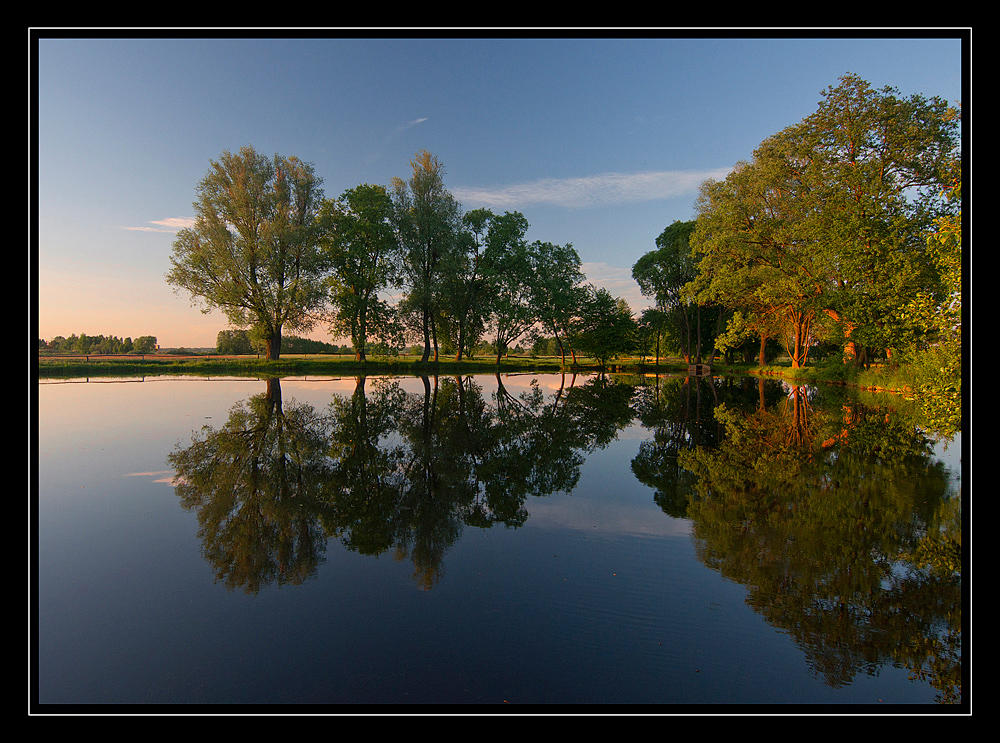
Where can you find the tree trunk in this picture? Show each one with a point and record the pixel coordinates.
(362, 331)
(274, 346)
(434, 337)
(359, 345)
(686, 351)
(699, 333)
(801, 323)
(461, 340)
(427, 336)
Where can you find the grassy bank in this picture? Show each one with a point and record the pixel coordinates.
(288, 365)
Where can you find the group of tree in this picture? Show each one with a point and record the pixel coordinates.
(383, 266)
(842, 232)
(98, 344)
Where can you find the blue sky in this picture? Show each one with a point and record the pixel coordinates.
(599, 142)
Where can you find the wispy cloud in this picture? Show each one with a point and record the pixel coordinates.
(408, 124)
(170, 224)
(404, 126)
(591, 191)
(616, 280)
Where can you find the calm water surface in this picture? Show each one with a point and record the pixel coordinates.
(532, 540)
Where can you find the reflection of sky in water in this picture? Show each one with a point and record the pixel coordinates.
(608, 498)
(950, 452)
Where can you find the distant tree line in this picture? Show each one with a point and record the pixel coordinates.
(98, 344)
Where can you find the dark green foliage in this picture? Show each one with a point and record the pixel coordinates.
(98, 344)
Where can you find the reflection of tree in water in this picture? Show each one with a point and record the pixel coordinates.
(254, 484)
(463, 461)
(679, 413)
(843, 530)
(383, 470)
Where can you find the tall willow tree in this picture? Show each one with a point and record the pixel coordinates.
(427, 219)
(252, 251)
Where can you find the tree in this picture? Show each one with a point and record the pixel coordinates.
(607, 330)
(361, 249)
(754, 252)
(252, 251)
(663, 274)
(144, 344)
(758, 248)
(465, 283)
(826, 222)
(427, 221)
(558, 290)
(875, 163)
(511, 273)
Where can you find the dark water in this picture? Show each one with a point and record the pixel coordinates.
(672, 543)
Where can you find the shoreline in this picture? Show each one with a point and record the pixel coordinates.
(292, 364)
